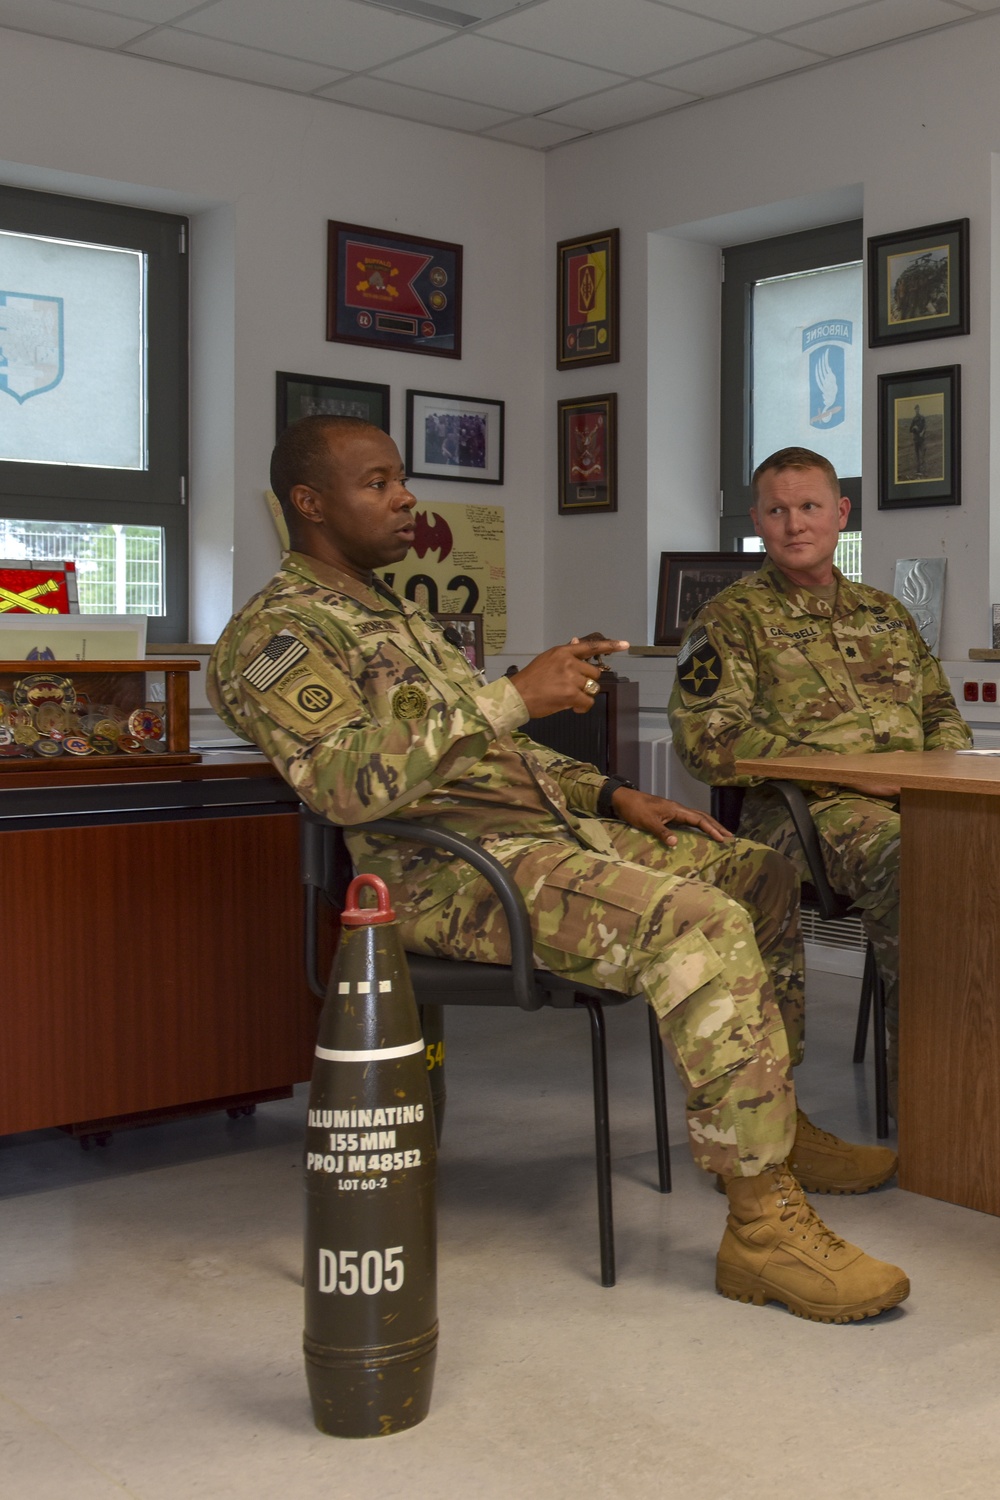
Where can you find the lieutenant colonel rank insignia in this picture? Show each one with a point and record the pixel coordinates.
(699, 668)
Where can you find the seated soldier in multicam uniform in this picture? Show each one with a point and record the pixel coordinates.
(368, 710)
(795, 658)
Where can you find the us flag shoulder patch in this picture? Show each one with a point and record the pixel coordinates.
(278, 657)
(694, 642)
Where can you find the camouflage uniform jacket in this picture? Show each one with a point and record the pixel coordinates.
(767, 668)
(368, 711)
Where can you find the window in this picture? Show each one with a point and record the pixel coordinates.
(94, 400)
(792, 346)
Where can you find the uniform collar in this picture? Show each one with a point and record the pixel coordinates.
(800, 601)
(328, 576)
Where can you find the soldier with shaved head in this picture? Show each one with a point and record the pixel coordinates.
(369, 711)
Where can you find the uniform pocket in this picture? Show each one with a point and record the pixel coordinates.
(710, 1031)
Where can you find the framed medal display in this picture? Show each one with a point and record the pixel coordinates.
(588, 454)
(393, 291)
(587, 273)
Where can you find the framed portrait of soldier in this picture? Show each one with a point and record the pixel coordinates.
(919, 438)
(588, 455)
(918, 284)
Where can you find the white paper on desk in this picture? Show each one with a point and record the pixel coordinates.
(977, 752)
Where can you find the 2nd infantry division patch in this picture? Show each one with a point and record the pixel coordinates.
(699, 667)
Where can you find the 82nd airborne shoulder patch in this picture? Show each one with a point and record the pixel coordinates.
(699, 666)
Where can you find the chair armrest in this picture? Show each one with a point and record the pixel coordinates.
(831, 905)
(510, 898)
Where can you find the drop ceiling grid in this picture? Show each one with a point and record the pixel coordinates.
(546, 72)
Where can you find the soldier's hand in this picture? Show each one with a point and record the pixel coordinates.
(871, 788)
(559, 678)
(655, 814)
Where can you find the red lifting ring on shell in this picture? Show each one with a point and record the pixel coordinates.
(354, 915)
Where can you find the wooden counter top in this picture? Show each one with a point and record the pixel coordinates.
(214, 765)
(914, 770)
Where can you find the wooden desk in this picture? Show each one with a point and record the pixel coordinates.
(150, 941)
(949, 1045)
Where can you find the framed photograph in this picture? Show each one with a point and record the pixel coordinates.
(587, 272)
(919, 438)
(318, 396)
(918, 284)
(469, 629)
(588, 454)
(393, 291)
(688, 580)
(454, 437)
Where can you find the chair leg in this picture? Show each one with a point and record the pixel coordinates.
(659, 1102)
(602, 1132)
(881, 1063)
(868, 983)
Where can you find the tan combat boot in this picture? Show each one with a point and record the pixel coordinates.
(823, 1163)
(776, 1248)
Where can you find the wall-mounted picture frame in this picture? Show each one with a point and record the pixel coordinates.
(454, 437)
(588, 454)
(690, 579)
(321, 396)
(393, 291)
(919, 438)
(588, 300)
(918, 284)
(469, 629)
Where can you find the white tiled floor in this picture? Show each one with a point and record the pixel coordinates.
(151, 1310)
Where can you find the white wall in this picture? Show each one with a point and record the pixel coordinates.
(916, 126)
(261, 172)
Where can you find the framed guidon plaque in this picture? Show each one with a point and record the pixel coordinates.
(393, 291)
(588, 300)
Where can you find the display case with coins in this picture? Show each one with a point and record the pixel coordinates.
(94, 713)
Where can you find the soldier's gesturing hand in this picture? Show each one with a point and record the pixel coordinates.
(655, 814)
(562, 677)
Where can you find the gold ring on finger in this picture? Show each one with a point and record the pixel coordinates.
(590, 686)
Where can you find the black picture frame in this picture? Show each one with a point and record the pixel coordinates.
(393, 291)
(458, 438)
(587, 300)
(690, 579)
(918, 284)
(322, 395)
(470, 629)
(920, 465)
(588, 454)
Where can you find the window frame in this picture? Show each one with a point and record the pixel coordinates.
(156, 496)
(743, 265)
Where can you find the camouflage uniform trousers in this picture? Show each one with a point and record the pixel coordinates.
(707, 932)
(859, 837)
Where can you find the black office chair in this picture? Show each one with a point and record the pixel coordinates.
(326, 868)
(727, 803)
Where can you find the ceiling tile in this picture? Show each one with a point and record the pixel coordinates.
(621, 106)
(69, 22)
(763, 15)
(414, 104)
(885, 21)
(337, 32)
(142, 10)
(472, 67)
(631, 36)
(738, 67)
(212, 56)
(537, 133)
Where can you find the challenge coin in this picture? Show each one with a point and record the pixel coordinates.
(145, 724)
(76, 744)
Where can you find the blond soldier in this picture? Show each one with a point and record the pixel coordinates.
(368, 710)
(798, 658)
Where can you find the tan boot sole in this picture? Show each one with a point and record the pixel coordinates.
(742, 1286)
(859, 1185)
